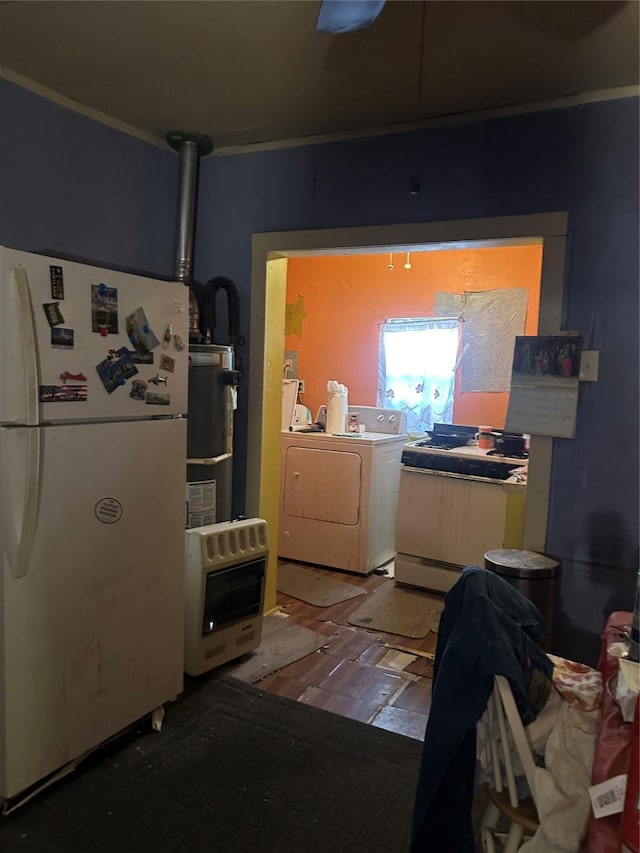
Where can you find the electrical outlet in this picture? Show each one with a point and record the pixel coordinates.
(589, 363)
(300, 386)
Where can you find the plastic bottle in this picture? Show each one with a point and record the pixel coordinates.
(337, 407)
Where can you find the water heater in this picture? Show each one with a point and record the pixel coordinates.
(212, 402)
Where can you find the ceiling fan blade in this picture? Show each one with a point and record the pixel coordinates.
(344, 16)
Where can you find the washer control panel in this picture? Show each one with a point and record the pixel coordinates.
(389, 421)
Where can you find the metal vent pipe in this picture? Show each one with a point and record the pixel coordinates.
(190, 146)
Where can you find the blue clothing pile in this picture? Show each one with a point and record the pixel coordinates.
(487, 628)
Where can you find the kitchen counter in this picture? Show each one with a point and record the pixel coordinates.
(512, 484)
(469, 451)
(415, 458)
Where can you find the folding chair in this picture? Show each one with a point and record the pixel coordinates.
(505, 806)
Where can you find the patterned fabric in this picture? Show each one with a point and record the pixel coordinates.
(578, 683)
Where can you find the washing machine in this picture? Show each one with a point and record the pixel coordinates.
(339, 493)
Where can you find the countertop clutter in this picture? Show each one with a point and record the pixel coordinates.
(466, 461)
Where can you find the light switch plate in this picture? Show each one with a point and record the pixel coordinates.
(589, 364)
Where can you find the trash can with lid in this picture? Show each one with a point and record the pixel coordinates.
(535, 575)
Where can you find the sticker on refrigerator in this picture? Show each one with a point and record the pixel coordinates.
(167, 363)
(158, 398)
(104, 309)
(178, 343)
(62, 393)
(108, 510)
(139, 332)
(61, 337)
(54, 314)
(57, 282)
(138, 390)
(116, 369)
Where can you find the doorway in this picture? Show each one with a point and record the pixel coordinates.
(269, 285)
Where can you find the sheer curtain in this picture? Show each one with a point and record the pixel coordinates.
(417, 359)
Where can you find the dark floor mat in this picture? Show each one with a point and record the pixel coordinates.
(234, 770)
(397, 610)
(314, 586)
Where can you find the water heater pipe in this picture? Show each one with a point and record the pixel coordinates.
(190, 146)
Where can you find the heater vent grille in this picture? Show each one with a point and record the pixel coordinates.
(214, 651)
(233, 542)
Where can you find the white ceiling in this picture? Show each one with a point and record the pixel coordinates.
(244, 72)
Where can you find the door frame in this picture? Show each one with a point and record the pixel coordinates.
(270, 252)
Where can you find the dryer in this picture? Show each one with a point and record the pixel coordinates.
(339, 493)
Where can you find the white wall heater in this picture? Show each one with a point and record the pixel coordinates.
(224, 586)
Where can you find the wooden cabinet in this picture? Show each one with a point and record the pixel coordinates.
(448, 518)
(446, 521)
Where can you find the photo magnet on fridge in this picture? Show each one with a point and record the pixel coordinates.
(158, 398)
(138, 390)
(62, 337)
(139, 332)
(116, 369)
(57, 282)
(54, 314)
(167, 363)
(141, 357)
(104, 309)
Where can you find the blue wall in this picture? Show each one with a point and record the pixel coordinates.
(74, 186)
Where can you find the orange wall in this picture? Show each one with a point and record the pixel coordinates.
(346, 297)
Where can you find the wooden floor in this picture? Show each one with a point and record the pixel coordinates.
(357, 674)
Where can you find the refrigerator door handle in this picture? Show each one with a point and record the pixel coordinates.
(30, 508)
(20, 486)
(29, 350)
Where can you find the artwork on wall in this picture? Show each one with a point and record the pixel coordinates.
(294, 315)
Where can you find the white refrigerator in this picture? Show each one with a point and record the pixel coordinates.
(93, 396)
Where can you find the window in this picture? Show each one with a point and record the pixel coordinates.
(416, 369)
